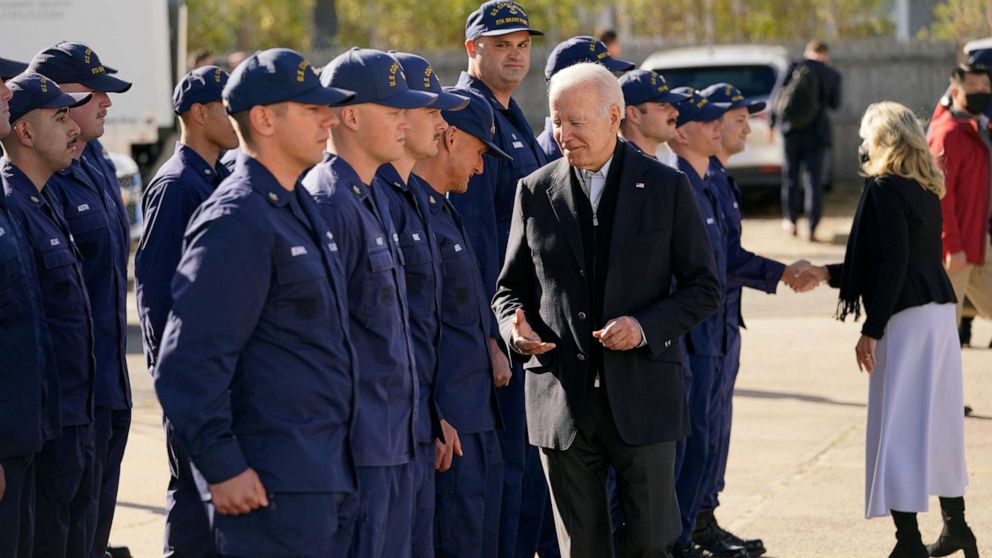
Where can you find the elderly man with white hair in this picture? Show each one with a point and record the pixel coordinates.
(586, 299)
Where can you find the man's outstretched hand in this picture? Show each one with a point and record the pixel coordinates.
(525, 341)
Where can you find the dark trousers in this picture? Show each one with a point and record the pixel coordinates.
(187, 508)
(577, 477)
(66, 502)
(385, 512)
(110, 429)
(536, 529)
(724, 407)
(699, 446)
(519, 508)
(17, 507)
(466, 521)
(294, 525)
(803, 156)
(422, 538)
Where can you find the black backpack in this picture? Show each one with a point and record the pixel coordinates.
(799, 102)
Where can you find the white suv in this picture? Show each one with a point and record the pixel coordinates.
(757, 71)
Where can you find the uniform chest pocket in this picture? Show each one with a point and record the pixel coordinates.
(379, 303)
(304, 289)
(12, 288)
(57, 278)
(458, 305)
(417, 266)
(89, 230)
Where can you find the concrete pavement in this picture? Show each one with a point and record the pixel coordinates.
(796, 472)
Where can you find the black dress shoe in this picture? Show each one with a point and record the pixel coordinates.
(118, 552)
(754, 547)
(708, 533)
(718, 547)
(686, 551)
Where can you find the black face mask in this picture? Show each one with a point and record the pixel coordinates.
(976, 103)
(863, 154)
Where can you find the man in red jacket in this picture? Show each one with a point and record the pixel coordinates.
(962, 147)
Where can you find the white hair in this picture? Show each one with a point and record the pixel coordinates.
(592, 77)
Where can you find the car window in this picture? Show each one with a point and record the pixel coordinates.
(753, 81)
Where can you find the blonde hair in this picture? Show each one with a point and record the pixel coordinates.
(897, 145)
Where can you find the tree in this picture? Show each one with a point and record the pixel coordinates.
(961, 20)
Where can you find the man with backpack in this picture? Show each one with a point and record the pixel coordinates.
(811, 87)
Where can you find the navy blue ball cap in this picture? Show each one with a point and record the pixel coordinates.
(697, 108)
(10, 68)
(278, 75)
(420, 76)
(498, 17)
(724, 94)
(375, 77)
(202, 85)
(476, 119)
(69, 62)
(982, 57)
(645, 86)
(33, 91)
(583, 48)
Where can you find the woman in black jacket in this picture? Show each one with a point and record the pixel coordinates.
(909, 343)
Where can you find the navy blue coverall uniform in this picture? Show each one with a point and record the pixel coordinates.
(256, 368)
(422, 273)
(89, 194)
(744, 269)
(706, 346)
(183, 183)
(384, 431)
(486, 209)
(66, 502)
(29, 388)
(469, 493)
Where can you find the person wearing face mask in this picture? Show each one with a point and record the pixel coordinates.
(963, 148)
(893, 274)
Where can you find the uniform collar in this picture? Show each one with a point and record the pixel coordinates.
(262, 181)
(697, 181)
(388, 174)
(14, 180)
(435, 200)
(193, 160)
(346, 177)
(468, 81)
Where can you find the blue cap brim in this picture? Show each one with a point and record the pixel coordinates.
(449, 101)
(322, 95)
(9, 68)
(106, 83)
(68, 100)
(671, 97)
(408, 99)
(615, 65)
(498, 32)
(494, 150)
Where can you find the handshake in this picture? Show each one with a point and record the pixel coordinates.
(803, 276)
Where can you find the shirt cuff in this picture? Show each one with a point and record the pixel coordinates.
(644, 338)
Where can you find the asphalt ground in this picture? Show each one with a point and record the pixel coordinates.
(796, 471)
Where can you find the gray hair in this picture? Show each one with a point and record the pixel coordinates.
(588, 76)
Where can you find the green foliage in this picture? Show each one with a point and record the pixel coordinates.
(960, 20)
(226, 25)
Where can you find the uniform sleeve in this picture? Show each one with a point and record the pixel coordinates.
(747, 269)
(167, 212)
(944, 149)
(219, 290)
(698, 291)
(477, 207)
(893, 229)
